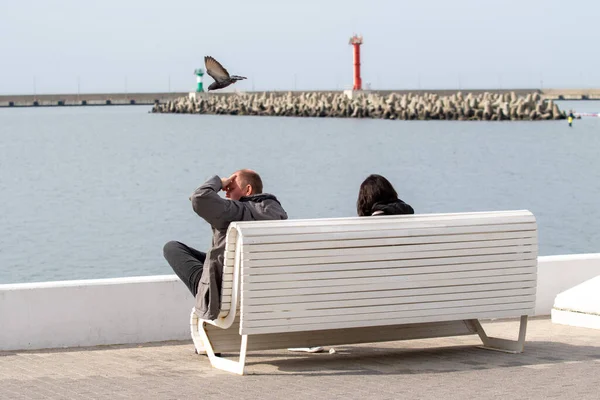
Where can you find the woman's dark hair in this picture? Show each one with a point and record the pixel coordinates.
(374, 189)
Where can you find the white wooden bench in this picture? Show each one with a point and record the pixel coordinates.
(317, 282)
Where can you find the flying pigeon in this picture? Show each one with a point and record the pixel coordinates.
(219, 74)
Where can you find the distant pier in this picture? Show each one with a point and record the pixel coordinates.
(121, 99)
(571, 94)
(91, 99)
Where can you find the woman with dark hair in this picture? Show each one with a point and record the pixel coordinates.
(377, 196)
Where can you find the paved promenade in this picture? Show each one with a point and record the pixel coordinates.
(559, 362)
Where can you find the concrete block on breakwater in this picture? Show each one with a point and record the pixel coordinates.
(486, 106)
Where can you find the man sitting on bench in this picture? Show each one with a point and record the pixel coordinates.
(202, 272)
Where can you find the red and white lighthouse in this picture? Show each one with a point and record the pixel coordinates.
(356, 41)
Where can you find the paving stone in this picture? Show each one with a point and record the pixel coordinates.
(559, 361)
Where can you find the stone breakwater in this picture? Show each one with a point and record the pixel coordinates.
(428, 106)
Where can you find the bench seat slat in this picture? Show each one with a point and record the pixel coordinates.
(436, 217)
(505, 259)
(387, 321)
(392, 255)
(390, 226)
(387, 241)
(400, 281)
(390, 298)
(390, 233)
(365, 224)
(377, 248)
(406, 267)
(269, 285)
(338, 279)
(364, 310)
(465, 315)
(307, 279)
(474, 290)
(397, 315)
(528, 280)
(457, 313)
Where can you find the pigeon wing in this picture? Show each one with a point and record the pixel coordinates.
(215, 69)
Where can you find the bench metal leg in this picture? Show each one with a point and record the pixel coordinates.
(508, 346)
(220, 362)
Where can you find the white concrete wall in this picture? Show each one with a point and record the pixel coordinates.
(94, 312)
(157, 308)
(559, 273)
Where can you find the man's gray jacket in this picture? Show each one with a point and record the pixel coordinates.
(219, 213)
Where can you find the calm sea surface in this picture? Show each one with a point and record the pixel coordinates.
(95, 192)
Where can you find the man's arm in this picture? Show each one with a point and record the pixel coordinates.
(214, 209)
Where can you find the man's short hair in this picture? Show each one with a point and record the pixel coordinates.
(249, 177)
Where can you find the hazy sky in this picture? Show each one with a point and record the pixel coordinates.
(148, 45)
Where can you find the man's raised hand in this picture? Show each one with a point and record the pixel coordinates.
(225, 182)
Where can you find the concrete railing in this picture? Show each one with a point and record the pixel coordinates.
(157, 308)
(94, 312)
(559, 273)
